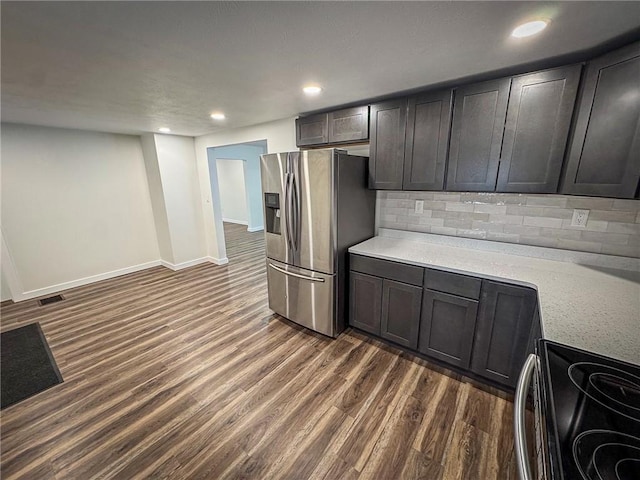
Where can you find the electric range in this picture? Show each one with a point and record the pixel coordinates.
(587, 415)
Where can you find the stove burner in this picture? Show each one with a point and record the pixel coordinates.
(607, 455)
(615, 389)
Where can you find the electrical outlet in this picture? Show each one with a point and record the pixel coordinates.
(579, 218)
(419, 206)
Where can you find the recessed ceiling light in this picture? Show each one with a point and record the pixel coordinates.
(529, 28)
(218, 116)
(164, 130)
(312, 89)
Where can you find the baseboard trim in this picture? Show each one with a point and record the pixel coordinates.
(218, 261)
(254, 229)
(84, 281)
(231, 220)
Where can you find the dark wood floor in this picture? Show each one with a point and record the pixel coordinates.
(188, 375)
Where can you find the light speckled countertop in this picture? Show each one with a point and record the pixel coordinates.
(586, 300)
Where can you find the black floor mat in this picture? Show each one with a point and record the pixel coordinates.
(27, 366)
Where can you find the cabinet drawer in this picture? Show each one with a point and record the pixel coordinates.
(383, 268)
(452, 283)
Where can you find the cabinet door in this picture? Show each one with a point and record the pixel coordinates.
(476, 136)
(312, 130)
(447, 325)
(604, 156)
(502, 333)
(428, 126)
(535, 137)
(349, 125)
(365, 297)
(401, 312)
(386, 147)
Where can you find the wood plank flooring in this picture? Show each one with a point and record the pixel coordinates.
(189, 375)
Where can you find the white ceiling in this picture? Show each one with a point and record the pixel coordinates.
(132, 67)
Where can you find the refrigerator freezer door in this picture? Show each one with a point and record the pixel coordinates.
(313, 183)
(303, 296)
(273, 170)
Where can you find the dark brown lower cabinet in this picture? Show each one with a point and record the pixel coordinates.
(400, 312)
(503, 330)
(447, 326)
(365, 302)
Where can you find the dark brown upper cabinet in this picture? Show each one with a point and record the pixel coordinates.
(312, 130)
(476, 136)
(604, 155)
(341, 126)
(386, 147)
(349, 125)
(427, 140)
(536, 130)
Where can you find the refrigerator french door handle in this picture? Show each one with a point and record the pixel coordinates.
(295, 208)
(287, 211)
(297, 275)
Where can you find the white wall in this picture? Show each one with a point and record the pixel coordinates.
(5, 294)
(75, 204)
(233, 194)
(182, 199)
(157, 197)
(280, 136)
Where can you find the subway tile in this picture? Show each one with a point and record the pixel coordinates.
(491, 209)
(522, 230)
(542, 222)
(580, 245)
(538, 241)
(477, 197)
(444, 214)
(561, 233)
(628, 228)
(481, 217)
(471, 233)
(590, 203)
(547, 201)
(511, 199)
(457, 223)
(592, 225)
(638, 218)
(446, 197)
(503, 237)
(519, 210)
(552, 212)
(388, 218)
(622, 250)
(511, 219)
(420, 228)
(434, 205)
(605, 237)
(458, 207)
(432, 221)
(422, 196)
(393, 211)
(613, 216)
(628, 205)
(487, 226)
(443, 230)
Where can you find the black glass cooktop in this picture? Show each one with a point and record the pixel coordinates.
(591, 406)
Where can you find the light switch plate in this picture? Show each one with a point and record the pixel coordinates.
(579, 218)
(419, 206)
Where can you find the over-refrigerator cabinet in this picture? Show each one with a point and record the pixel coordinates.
(316, 205)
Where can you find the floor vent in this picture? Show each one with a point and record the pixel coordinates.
(48, 300)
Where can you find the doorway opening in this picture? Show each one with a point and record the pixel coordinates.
(236, 193)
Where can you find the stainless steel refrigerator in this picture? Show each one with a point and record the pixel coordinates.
(316, 205)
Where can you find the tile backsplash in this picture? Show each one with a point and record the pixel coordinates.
(613, 226)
